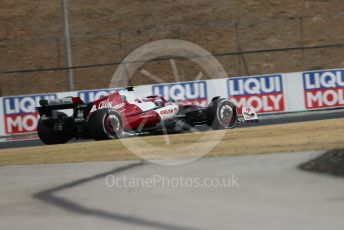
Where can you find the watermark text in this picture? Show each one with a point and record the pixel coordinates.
(159, 180)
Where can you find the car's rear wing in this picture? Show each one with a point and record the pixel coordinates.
(63, 102)
(48, 106)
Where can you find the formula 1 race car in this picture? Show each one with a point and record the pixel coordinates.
(121, 113)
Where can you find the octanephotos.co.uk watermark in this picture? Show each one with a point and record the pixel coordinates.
(160, 180)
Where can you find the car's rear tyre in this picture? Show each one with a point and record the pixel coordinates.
(105, 124)
(222, 113)
(50, 134)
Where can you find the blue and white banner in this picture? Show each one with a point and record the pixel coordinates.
(273, 93)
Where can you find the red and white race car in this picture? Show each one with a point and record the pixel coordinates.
(123, 113)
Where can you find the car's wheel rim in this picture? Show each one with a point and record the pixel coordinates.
(112, 125)
(226, 114)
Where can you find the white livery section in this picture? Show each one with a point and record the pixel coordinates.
(249, 114)
(265, 94)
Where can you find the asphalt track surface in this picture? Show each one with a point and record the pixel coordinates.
(264, 120)
(267, 192)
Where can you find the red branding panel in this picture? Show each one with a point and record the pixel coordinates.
(263, 93)
(324, 89)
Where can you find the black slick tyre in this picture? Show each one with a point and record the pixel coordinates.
(105, 124)
(49, 135)
(221, 113)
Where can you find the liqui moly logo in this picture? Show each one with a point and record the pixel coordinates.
(92, 95)
(323, 89)
(20, 113)
(264, 93)
(187, 92)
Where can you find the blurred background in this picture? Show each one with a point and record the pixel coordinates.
(248, 37)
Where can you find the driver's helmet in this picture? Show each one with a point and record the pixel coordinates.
(159, 102)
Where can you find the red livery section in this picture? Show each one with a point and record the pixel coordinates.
(263, 93)
(324, 89)
(143, 119)
(133, 115)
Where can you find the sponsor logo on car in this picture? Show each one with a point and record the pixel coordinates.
(168, 111)
(263, 93)
(62, 101)
(187, 92)
(107, 104)
(92, 95)
(118, 106)
(20, 113)
(323, 89)
(101, 105)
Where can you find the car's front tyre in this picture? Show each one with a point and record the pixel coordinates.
(221, 113)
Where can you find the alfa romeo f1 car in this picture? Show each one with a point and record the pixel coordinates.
(121, 113)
